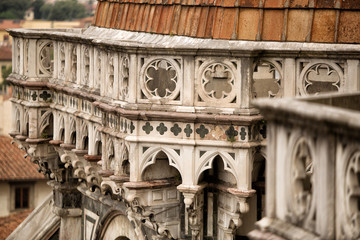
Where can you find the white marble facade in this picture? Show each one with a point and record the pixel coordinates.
(159, 128)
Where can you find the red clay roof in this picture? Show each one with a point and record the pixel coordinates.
(13, 166)
(5, 53)
(9, 224)
(5, 24)
(329, 21)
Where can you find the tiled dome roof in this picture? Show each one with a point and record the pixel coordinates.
(328, 21)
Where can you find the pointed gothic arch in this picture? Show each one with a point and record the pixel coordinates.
(152, 154)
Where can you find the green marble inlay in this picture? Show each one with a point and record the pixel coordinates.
(34, 96)
(132, 127)
(188, 131)
(243, 133)
(202, 131)
(147, 128)
(231, 133)
(161, 128)
(175, 129)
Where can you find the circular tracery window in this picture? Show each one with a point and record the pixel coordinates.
(161, 80)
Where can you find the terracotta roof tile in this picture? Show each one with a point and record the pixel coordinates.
(182, 21)
(139, 19)
(298, 26)
(9, 224)
(13, 166)
(273, 25)
(349, 26)
(145, 18)
(299, 3)
(5, 24)
(323, 27)
(274, 4)
(5, 53)
(350, 4)
(175, 22)
(266, 20)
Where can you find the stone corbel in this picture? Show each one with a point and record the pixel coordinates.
(66, 159)
(242, 197)
(190, 193)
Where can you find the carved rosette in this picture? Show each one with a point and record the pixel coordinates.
(217, 82)
(161, 79)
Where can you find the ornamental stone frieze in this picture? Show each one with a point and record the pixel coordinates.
(158, 133)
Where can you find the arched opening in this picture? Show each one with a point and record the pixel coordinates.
(117, 227)
(48, 131)
(73, 138)
(61, 129)
(161, 169)
(85, 145)
(258, 183)
(62, 134)
(125, 166)
(167, 178)
(216, 198)
(111, 156)
(27, 130)
(17, 122)
(98, 148)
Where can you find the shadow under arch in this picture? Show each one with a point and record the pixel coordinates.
(168, 158)
(207, 162)
(160, 169)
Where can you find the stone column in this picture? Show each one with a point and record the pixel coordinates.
(289, 78)
(132, 79)
(67, 205)
(33, 123)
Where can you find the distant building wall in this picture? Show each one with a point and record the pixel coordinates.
(4, 199)
(41, 191)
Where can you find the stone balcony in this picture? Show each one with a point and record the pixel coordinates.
(313, 168)
(139, 121)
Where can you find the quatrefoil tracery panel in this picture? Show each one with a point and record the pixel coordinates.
(320, 77)
(267, 78)
(161, 79)
(216, 81)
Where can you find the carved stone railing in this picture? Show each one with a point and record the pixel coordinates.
(114, 103)
(313, 167)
